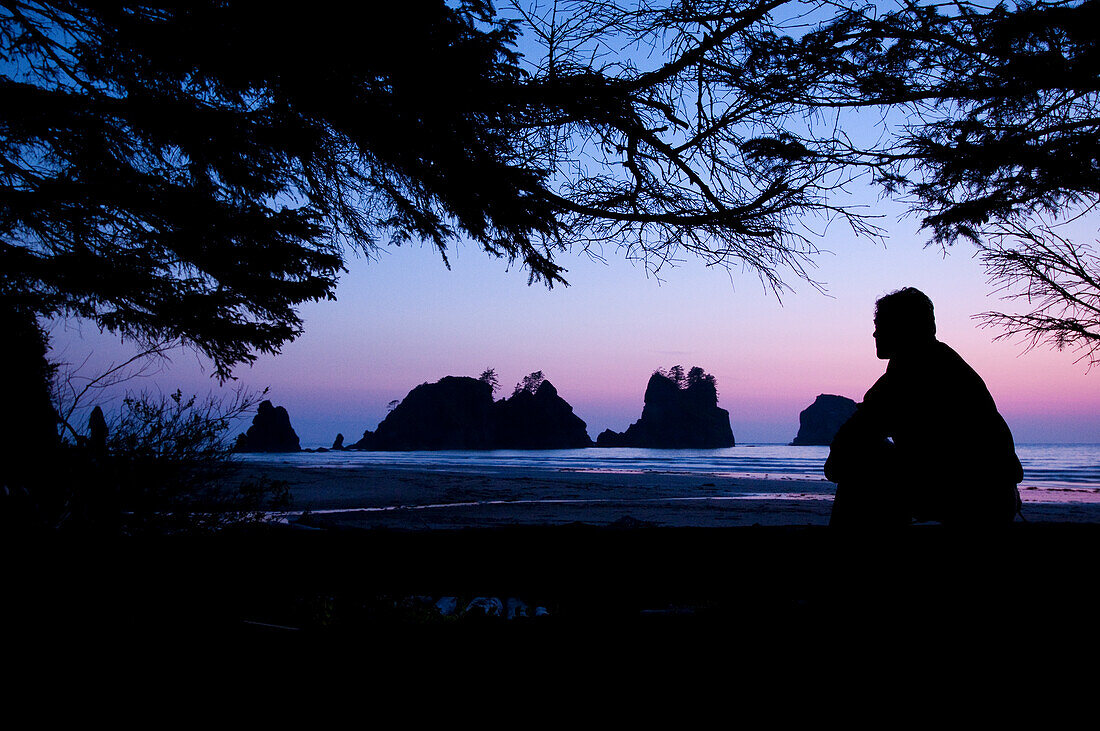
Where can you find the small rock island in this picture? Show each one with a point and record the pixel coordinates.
(458, 412)
(270, 432)
(681, 412)
(818, 423)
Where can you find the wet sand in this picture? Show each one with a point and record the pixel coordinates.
(416, 499)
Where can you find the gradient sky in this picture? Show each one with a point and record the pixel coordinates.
(404, 319)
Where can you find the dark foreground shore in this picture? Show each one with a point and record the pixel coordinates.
(411, 564)
(737, 584)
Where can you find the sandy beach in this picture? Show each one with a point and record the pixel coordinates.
(366, 496)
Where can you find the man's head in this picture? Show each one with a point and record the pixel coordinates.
(903, 319)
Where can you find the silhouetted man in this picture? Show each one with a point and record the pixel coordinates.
(927, 442)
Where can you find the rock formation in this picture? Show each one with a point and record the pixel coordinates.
(539, 420)
(459, 413)
(679, 413)
(453, 413)
(818, 423)
(338, 443)
(270, 432)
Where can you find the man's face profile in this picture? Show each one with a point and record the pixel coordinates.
(885, 339)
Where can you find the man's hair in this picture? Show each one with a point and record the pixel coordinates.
(908, 310)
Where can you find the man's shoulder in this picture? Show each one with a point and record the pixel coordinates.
(927, 364)
(949, 357)
(934, 356)
(880, 388)
(944, 350)
(957, 379)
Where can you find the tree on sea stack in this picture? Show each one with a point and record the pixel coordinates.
(489, 375)
(530, 383)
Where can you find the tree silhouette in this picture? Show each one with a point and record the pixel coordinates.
(195, 172)
(1000, 104)
(992, 130)
(530, 383)
(489, 375)
(697, 379)
(1059, 281)
(642, 113)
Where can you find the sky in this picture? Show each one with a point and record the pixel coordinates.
(403, 319)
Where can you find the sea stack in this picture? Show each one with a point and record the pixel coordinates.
(458, 412)
(270, 432)
(819, 422)
(536, 417)
(680, 412)
(455, 412)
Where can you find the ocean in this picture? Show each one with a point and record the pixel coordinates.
(1046, 466)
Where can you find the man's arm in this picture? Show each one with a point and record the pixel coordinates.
(864, 432)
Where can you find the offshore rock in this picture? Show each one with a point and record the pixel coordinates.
(270, 432)
(819, 422)
(338, 443)
(458, 412)
(678, 414)
(539, 420)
